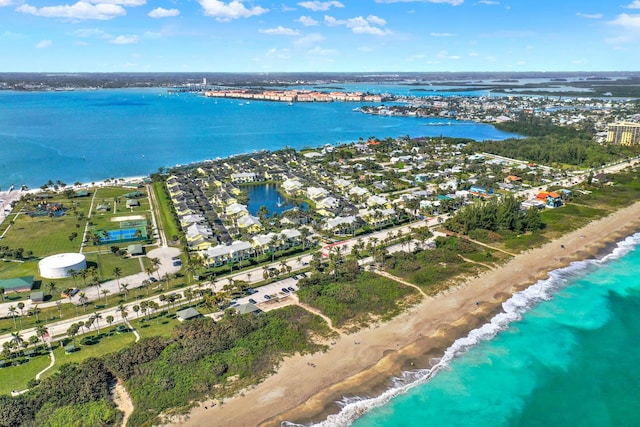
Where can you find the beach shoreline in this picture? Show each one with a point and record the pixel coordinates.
(363, 364)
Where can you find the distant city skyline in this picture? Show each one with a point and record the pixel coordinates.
(316, 35)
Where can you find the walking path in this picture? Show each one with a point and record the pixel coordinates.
(400, 280)
(53, 362)
(317, 313)
(476, 262)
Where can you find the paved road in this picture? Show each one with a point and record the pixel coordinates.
(256, 274)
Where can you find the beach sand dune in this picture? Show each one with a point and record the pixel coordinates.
(361, 364)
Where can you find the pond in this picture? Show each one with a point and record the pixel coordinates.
(268, 195)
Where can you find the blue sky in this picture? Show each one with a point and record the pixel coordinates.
(318, 35)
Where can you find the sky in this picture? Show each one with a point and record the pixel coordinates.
(318, 35)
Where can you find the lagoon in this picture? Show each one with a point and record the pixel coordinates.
(90, 135)
(267, 195)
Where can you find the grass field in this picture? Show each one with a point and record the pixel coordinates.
(165, 215)
(17, 377)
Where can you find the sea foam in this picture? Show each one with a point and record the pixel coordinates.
(520, 302)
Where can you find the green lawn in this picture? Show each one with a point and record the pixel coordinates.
(17, 377)
(165, 213)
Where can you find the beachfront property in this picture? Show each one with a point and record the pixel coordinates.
(291, 96)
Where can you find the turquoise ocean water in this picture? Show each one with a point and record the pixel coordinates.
(565, 352)
(92, 135)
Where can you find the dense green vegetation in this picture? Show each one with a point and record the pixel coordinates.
(494, 215)
(207, 358)
(202, 358)
(76, 390)
(432, 269)
(353, 298)
(551, 144)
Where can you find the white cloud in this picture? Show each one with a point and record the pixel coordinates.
(487, 2)
(4, 3)
(627, 21)
(635, 4)
(78, 11)
(127, 3)
(318, 51)
(92, 33)
(319, 6)
(280, 31)
(376, 20)
(360, 25)
(307, 21)
(225, 12)
(132, 39)
(278, 53)
(163, 13)
(442, 34)
(309, 40)
(451, 2)
(589, 15)
(443, 54)
(42, 44)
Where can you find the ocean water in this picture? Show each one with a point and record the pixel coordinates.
(92, 135)
(565, 352)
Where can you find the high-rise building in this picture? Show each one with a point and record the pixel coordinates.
(624, 133)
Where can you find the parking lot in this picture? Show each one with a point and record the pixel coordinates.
(273, 290)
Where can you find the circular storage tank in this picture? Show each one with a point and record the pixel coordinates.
(58, 266)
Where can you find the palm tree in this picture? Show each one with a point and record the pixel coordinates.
(125, 290)
(13, 312)
(96, 317)
(136, 309)
(105, 292)
(84, 273)
(109, 320)
(156, 265)
(83, 300)
(42, 331)
(35, 311)
(122, 309)
(145, 284)
(73, 331)
(16, 338)
(2, 293)
(52, 287)
(117, 272)
(73, 273)
(265, 272)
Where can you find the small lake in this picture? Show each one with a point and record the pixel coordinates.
(267, 195)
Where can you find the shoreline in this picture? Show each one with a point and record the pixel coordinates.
(408, 342)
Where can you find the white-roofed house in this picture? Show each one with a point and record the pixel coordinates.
(342, 224)
(250, 223)
(375, 200)
(316, 193)
(292, 186)
(223, 254)
(236, 210)
(243, 177)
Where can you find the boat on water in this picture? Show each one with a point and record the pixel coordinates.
(290, 104)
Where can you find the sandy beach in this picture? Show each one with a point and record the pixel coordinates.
(361, 364)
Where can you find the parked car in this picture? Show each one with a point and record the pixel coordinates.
(153, 279)
(285, 290)
(267, 297)
(303, 274)
(252, 301)
(291, 289)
